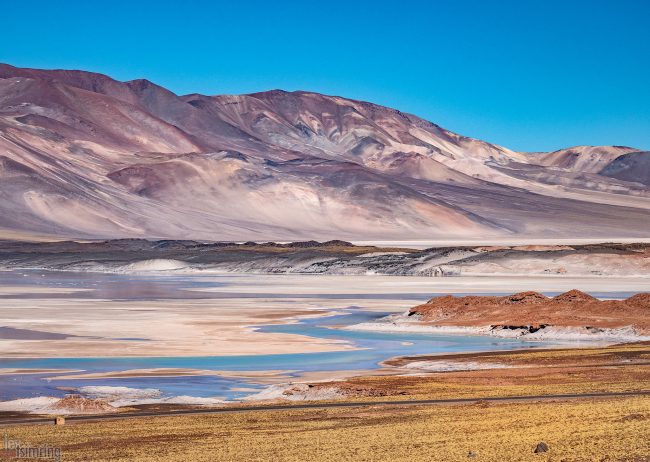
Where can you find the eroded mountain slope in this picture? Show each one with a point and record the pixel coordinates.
(83, 155)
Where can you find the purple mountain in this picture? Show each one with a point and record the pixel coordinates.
(86, 156)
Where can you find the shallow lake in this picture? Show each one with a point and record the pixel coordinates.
(372, 348)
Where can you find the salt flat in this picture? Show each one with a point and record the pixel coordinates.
(398, 286)
(98, 328)
(224, 322)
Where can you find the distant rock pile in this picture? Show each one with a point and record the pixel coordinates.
(77, 404)
(533, 311)
(541, 447)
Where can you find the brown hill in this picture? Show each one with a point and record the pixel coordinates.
(532, 309)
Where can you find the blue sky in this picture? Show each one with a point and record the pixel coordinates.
(530, 75)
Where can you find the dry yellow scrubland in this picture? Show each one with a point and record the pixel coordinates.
(618, 368)
(613, 429)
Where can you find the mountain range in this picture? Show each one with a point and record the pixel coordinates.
(85, 156)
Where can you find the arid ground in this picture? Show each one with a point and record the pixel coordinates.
(577, 429)
(138, 328)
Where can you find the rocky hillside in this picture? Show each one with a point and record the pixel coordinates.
(534, 312)
(84, 155)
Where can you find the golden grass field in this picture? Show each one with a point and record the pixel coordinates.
(578, 430)
(616, 368)
(586, 429)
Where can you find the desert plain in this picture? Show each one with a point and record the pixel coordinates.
(285, 366)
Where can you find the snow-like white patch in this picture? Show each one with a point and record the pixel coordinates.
(621, 334)
(156, 264)
(193, 400)
(47, 404)
(404, 323)
(416, 328)
(112, 393)
(413, 324)
(452, 366)
(126, 396)
(182, 400)
(296, 392)
(380, 254)
(32, 405)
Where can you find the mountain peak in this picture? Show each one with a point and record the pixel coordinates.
(132, 159)
(574, 296)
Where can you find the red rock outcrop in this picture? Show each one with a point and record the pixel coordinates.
(533, 310)
(76, 404)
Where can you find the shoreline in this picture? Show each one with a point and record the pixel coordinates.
(219, 271)
(570, 335)
(230, 328)
(453, 368)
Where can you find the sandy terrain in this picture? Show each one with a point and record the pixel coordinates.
(158, 328)
(266, 376)
(18, 290)
(378, 284)
(15, 371)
